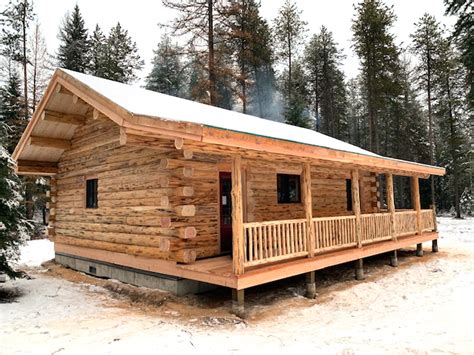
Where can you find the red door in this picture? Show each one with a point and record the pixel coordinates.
(225, 202)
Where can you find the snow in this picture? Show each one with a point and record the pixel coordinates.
(139, 101)
(36, 252)
(424, 306)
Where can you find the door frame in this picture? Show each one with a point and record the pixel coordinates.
(226, 168)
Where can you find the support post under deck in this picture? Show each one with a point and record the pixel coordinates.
(359, 269)
(311, 284)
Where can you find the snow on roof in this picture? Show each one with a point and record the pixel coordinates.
(139, 101)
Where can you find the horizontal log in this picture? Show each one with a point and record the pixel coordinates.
(47, 142)
(29, 167)
(64, 118)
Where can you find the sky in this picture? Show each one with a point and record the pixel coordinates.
(141, 19)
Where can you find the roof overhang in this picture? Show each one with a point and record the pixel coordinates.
(67, 101)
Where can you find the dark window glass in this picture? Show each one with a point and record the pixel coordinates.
(349, 194)
(91, 193)
(288, 187)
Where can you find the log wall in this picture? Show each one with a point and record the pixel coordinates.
(159, 197)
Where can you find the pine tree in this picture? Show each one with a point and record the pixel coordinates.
(326, 78)
(11, 108)
(17, 18)
(374, 44)
(356, 112)
(98, 53)
(14, 228)
(40, 67)
(263, 88)
(296, 110)
(289, 30)
(426, 46)
(452, 114)
(167, 74)
(73, 52)
(122, 59)
(196, 20)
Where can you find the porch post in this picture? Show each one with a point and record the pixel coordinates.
(308, 208)
(238, 242)
(391, 205)
(356, 205)
(416, 203)
(434, 242)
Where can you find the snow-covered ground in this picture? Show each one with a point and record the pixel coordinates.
(424, 306)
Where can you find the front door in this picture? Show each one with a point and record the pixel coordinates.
(225, 202)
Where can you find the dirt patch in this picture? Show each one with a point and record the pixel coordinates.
(214, 309)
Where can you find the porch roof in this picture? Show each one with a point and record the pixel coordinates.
(136, 108)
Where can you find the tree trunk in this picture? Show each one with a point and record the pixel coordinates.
(24, 62)
(212, 70)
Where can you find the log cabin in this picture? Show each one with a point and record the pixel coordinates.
(159, 191)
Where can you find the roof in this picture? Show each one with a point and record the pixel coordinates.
(135, 108)
(139, 101)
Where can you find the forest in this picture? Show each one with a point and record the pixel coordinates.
(411, 101)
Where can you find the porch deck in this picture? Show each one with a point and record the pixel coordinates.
(218, 270)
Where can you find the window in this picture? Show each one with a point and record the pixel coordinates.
(91, 193)
(288, 187)
(349, 194)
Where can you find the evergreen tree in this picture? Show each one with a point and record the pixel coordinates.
(263, 86)
(296, 97)
(374, 44)
(167, 74)
(14, 228)
(40, 67)
(98, 53)
(452, 114)
(289, 29)
(326, 79)
(196, 20)
(73, 52)
(122, 60)
(16, 19)
(11, 108)
(356, 112)
(426, 46)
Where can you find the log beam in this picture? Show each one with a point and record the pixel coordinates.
(43, 168)
(46, 142)
(391, 204)
(238, 243)
(356, 205)
(65, 118)
(308, 208)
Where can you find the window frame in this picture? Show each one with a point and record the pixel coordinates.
(296, 177)
(95, 205)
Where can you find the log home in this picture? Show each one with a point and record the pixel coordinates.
(159, 191)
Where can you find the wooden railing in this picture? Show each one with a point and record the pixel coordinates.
(405, 223)
(334, 233)
(427, 220)
(375, 227)
(266, 242)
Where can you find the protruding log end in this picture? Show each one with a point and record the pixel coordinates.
(187, 232)
(123, 137)
(188, 172)
(164, 201)
(186, 210)
(187, 154)
(165, 222)
(185, 191)
(165, 244)
(186, 256)
(164, 163)
(75, 99)
(164, 181)
(178, 143)
(95, 114)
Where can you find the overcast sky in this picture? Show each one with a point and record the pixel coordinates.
(141, 18)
